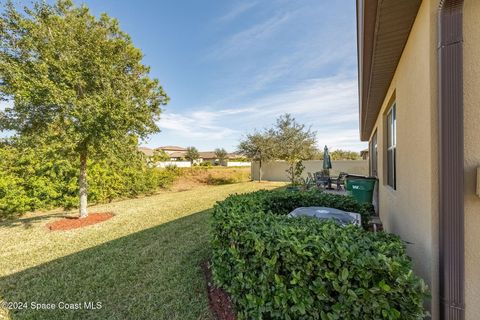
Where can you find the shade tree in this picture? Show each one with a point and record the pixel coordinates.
(76, 79)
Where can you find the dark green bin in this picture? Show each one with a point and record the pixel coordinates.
(361, 188)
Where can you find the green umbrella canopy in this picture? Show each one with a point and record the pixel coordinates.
(327, 163)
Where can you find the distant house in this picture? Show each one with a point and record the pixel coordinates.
(148, 152)
(210, 156)
(176, 155)
(173, 149)
(236, 155)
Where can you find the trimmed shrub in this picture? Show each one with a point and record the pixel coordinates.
(282, 202)
(275, 267)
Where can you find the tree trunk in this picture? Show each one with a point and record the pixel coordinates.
(82, 181)
(292, 173)
(260, 171)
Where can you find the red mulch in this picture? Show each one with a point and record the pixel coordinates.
(68, 223)
(220, 304)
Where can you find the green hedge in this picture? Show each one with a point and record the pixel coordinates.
(32, 179)
(275, 267)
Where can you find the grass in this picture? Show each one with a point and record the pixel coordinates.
(142, 264)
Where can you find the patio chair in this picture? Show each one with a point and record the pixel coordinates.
(341, 180)
(310, 176)
(321, 179)
(311, 179)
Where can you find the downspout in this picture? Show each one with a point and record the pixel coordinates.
(451, 162)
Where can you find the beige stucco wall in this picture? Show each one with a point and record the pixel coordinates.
(276, 170)
(472, 155)
(411, 210)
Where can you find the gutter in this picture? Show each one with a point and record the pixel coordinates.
(451, 161)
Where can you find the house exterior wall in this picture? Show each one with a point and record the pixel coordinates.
(411, 211)
(276, 170)
(471, 54)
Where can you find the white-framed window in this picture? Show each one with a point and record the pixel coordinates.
(392, 147)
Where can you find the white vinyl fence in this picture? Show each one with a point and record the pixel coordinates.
(276, 170)
(178, 164)
(238, 164)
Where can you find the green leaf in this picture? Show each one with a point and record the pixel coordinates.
(384, 286)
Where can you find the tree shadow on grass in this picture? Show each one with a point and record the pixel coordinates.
(151, 274)
(28, 222)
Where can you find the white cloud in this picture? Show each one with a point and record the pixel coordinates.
(292, 61)
(198, 125)
(306, 51)
(330, 98)
(243, 40)
(237, 10)
(328, 105)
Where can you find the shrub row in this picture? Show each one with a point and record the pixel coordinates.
(31, 180)
(275, 267)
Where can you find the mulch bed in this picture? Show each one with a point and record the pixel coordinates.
(69, 223)
(220, 304)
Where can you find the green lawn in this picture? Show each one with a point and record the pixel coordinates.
(142, 264)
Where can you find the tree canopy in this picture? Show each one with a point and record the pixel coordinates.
(77, 79)
(344, 155)
(258, 146)
(338, 155)
(288, 140)
(294, 141)
(221, 154)
(192, 154)
(160, 155)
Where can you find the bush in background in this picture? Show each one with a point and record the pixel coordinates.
(275, 267)
(227, 177)
(207, 164)
(32, 179)
(216, 175)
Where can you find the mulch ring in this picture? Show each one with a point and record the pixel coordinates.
(218, 300)
(69, 223)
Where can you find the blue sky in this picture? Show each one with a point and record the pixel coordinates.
(232, 66)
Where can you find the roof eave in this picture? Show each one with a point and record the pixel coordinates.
(383, 28)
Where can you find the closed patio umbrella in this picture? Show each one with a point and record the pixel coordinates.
(327, 163)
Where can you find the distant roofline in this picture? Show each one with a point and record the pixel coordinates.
(176, 148)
